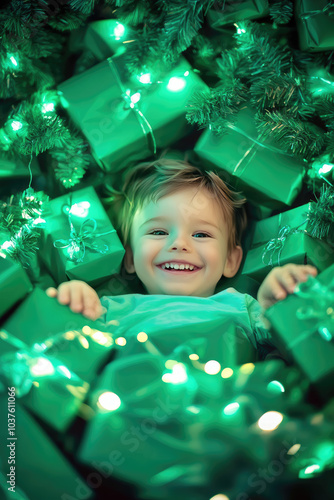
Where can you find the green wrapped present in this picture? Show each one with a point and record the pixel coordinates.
(283, 239)
(128, 118)
(44, 385)
(107, 37)
(230, 11)
(53, 329)
(14, 283)
(79, 241)
(264, 174)
(315, 24)
(41, 471)
(308, 335)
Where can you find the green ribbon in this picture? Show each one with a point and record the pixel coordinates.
(276, 245)
(142, 120)
(328, 9)
(79, 240)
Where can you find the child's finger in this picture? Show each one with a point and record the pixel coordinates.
(76, 299)
(277, 290)
(51, 292)
(64, 294)
(287, 278)
(92, 306)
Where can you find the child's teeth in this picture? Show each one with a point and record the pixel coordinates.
(181, 266)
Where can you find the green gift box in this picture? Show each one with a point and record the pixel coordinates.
(107, 37)
(41, 470)
(308, 335)
(283, 239)
(124, 119)
(82, 345)
(14, 283)
(264, 174)
(90, 250)
(231, 12)
(315, 24)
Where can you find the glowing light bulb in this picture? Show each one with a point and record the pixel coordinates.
(65, 371)
(48, 107)
(178, 375)
(275, 386)
(145, 78)
(176, 84)
(212, 367)
(231, 408)
(294, 449)
(186, 73)
(220, 496)
(194, 357)
(84, 342)
(42, 367)
(270, 420)
(109, 401)
(13, 60)
(135, 97)
(327, 167)
(247, 368)
(6, 245)
(311, 469)
(119, 31)
(16, 125)
(142, 337)
(120, 341)
(102, 338)
(227, 372)
(80, 209)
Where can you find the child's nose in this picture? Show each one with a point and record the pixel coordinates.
(180, 242)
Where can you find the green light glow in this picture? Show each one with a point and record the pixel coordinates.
(109, 401)
(308, 471)
(275, 386)
(7, 244)
(327, 167)
(65, 371)
(47, 107)
(270, 420)
(13, 60)
(145, 78)
(80, 209)
(325, 333)
(119, 31)
(178, 375)
(16, 125)
(135, 97)
(42, 367)
(186, 73)
(231, 409)
(176, 84)
(4, 139)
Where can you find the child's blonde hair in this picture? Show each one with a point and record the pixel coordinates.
(151, 181)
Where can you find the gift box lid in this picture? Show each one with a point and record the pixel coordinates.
(315, 25)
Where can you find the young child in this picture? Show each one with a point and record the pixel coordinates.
(181, 229)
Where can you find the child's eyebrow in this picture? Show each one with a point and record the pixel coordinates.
(157, 219)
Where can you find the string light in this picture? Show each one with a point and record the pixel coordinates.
(212, 367)
(176, 84)
(120, 341)
(270, 420)
(145, 78)
(142, 337)
(80, 209)
(231, 408)
(109, 401)
(119, 31)
(275, 386)
(193, 357)
(227, 373)
(65, 371)
(42, 367)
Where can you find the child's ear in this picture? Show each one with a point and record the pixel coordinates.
(128, 260)
(233, 262)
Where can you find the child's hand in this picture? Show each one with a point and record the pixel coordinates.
(281, 281)
(79, 296)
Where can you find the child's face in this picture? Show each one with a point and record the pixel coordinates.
(188, 227)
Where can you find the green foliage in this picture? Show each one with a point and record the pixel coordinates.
(217, 108)
(281, 11)
(84, 6)
(321, 215)
(71, 161)
(302, 139)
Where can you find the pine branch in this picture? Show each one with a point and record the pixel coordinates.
(67, 19)
(321, 214)
(303, 139)
(217, 108)
(71, 161)
(182, 21)
(38, 132)
(228, 64)
(281, 11)
(325, 107)
(84, 6)
(132, 12)
(282, 92)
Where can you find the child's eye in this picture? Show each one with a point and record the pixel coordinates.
(203, 234)
(157, 231)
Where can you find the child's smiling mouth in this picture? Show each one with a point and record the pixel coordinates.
(178, 267)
